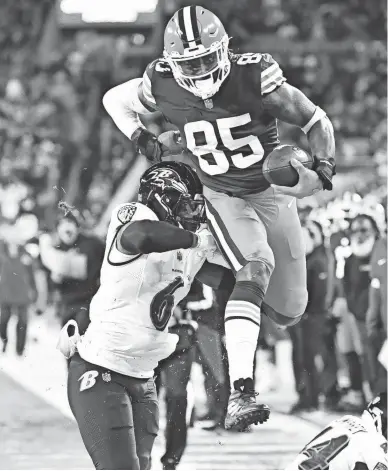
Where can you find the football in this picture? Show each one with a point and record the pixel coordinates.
(277, 168)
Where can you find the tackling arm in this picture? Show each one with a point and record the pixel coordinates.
(144, 237)
(290, 105)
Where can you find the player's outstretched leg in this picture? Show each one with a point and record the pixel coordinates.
(242, 328)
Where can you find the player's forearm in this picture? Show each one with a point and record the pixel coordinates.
(321, 139)
(144, 237)
(123, 105)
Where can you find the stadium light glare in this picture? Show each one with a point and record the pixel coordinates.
(114, 11)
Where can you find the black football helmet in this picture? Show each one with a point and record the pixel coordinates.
(174, 192)
(377, 410)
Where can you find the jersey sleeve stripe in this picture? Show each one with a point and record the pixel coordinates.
(272, 76)
(272, 83)
(148, 96)
(270, 70)
(147, 80)
(147, 88)
(273, 86)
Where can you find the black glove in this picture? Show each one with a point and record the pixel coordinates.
(147, 144)
(325, 168)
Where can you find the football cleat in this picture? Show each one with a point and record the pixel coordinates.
(243, 410)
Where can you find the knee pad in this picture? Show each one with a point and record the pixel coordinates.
(256, 272)
(251, 283)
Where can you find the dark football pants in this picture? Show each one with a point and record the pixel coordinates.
(175, 375)
(117, 415)
(21, 327)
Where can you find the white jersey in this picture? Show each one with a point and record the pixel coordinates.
(347, 443)
(131, 310)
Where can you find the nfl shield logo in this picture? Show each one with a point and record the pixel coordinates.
(209, 103)
(179, 256)
(106, 377)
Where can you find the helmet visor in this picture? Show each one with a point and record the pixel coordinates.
(198, 66)
(190, 212)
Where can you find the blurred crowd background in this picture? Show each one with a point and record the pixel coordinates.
(58, 144)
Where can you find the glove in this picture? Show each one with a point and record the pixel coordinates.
(147, 144)
(67, 344)
(205, 240)
(171, 140)
(325, 168)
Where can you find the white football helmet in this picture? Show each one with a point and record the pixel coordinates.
(196, 48)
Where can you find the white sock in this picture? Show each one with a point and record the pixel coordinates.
(241, 336)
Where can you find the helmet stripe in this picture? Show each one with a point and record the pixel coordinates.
(194, 23)
(188, 23)
(181, 24)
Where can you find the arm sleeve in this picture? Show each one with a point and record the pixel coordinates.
(145, 237)
(136, 230)
(271, 75)
(126, 101)
(122, 216)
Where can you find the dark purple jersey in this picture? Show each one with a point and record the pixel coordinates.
(229, 134)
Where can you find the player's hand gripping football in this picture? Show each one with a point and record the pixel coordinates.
(156, 148)
(308, 184)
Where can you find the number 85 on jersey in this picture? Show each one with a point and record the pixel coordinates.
(215, 155)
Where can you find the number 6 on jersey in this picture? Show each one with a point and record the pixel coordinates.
(163, 303)
(212, 146)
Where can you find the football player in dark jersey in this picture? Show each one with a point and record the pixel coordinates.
(225, 107)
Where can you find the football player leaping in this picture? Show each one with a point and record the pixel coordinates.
(152, 255)
(225, 107)
(350, 442)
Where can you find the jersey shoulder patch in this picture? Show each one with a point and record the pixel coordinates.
(130, 212)
(126, 213)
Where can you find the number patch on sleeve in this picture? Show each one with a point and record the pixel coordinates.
(249, 58)
(126, 213)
